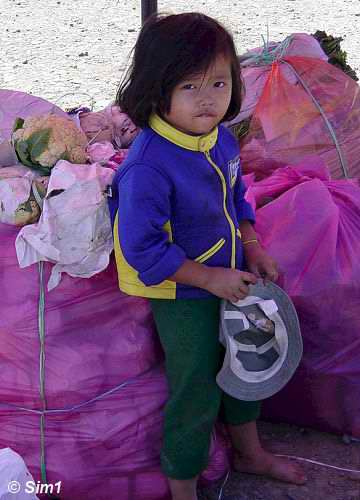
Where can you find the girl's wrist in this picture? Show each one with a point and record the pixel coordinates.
(252, 248)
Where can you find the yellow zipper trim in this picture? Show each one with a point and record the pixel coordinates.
(209, 253)
(232, 226)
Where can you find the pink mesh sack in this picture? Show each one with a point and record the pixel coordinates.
(311, 226)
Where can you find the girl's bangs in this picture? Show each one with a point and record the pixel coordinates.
(201, 58)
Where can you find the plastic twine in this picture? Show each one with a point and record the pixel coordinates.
(41, 323)
(327, 122)
(223, 486)
(271, 52)
(80, 405)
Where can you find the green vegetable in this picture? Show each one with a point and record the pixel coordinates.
(19, 122)
(24, 152)
(40, 141)
(242, 128)
(337, 57)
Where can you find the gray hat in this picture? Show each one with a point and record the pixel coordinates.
(261, 334)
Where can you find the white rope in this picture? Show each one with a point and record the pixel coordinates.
(75, 93)
(222, 486)
(319, 463)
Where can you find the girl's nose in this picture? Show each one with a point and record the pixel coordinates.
(206, 103)
(206, 99)
(205, 93)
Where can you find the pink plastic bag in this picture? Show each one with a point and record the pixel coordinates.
(255, 76)
(103, 437)
(15, 104)
(102, 382)
(109, 124)
(311, 226)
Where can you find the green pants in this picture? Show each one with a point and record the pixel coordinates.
(189, 333)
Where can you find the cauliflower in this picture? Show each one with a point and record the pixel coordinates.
(40, 141)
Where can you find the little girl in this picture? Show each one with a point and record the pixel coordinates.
(183, 232)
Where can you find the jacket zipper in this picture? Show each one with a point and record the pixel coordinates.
(209, 253)
(232, 226)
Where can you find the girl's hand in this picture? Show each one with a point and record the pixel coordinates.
(260, 263)
(230, 284)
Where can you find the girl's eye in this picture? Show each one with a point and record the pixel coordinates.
(220, 84)
(188, 86)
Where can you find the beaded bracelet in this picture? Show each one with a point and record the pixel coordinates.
(250, 241)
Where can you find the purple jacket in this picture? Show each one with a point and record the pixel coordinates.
(177, 196)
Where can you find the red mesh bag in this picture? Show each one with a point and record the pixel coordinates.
(307, 107)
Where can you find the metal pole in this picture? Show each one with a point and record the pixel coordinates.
(148, 7)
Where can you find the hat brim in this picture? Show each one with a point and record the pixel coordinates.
(255, 391)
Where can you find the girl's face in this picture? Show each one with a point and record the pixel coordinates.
(199, 102)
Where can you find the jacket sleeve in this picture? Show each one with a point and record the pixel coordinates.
(244, 210)
(144, 208)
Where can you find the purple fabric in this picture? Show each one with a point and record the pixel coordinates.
(311, 226)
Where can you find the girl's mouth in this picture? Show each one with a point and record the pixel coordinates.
(206, 115)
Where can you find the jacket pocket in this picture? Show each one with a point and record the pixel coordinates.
(212, 251)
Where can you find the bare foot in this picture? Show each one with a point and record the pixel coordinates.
(267, 464)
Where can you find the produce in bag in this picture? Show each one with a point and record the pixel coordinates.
(21, 195)
(40, 141)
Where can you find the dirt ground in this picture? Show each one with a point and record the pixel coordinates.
(51, 49)
(323, 483)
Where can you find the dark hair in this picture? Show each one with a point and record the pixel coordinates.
(169, 49)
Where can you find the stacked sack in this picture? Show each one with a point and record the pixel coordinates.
(299, 129)
(82, 379)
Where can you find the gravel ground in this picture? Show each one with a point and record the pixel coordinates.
(54, 47)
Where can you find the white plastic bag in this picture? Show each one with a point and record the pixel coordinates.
(15, 480)
(74, 231)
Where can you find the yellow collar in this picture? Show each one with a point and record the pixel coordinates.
(193, 142)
